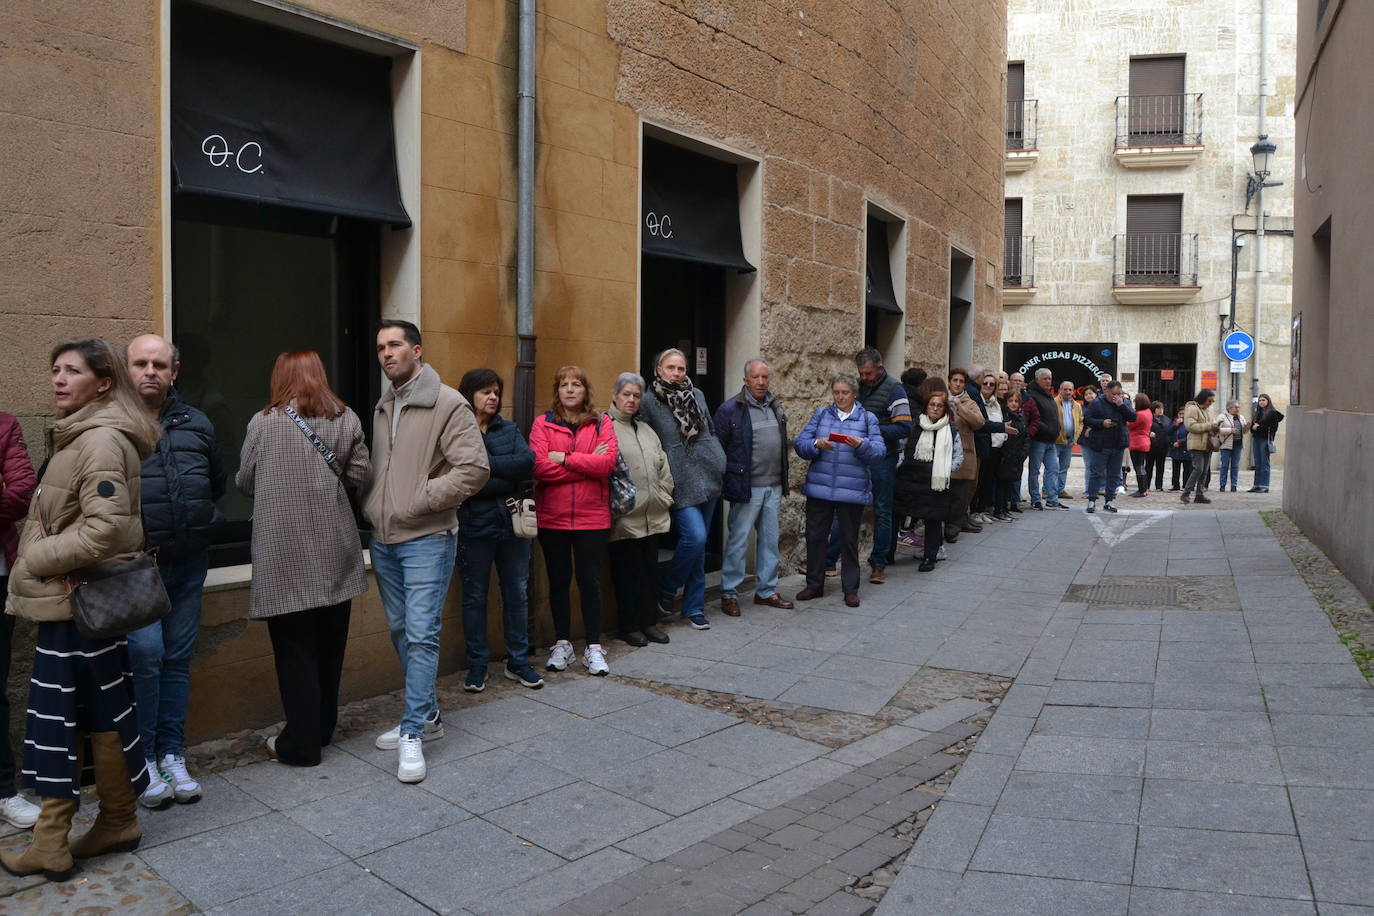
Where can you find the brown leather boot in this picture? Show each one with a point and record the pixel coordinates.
(48, 852)
(116, 827)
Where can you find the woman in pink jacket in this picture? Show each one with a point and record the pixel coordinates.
(574, 454)
(1140, 442)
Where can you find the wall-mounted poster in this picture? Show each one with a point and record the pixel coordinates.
(1080, 363)
(1295, 371)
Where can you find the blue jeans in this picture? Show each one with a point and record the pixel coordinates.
(759, 514)
(1042, 453)
(1104, 472)
(884, 552)
(413, 577)
(160, 655)
(688, 569)
(1259, 454)
(511, 556)
(1064, 453)
(1230, 465)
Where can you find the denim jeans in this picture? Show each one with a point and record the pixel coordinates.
(1042, 453)
(884, 553)
(759, 514)
(1104, 472)
(511, 556)
(1064, 454)
(1230, 465)
(161, 656)
(413, 577)
(688, 569)
(1259, 454)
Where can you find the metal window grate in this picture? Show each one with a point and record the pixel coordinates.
(1125, 595)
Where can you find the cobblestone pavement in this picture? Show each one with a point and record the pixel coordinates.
(1195, 747)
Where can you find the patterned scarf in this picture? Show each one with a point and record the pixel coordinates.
(678, 397)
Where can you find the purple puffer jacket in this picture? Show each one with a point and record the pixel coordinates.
(841, 474)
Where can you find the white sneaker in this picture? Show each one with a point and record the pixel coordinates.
(561, 656)
(411, 767)
(390, 740)
(185, 790)
(19, 811)
(159, 793)
(940, 555)
(594, 660)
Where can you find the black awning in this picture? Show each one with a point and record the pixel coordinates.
(691, 207)
(265, 115)
(879, 293)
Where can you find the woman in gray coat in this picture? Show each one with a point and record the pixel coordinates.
(677, 412)
(299, 455)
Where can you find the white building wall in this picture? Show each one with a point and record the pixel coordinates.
(1077, 61)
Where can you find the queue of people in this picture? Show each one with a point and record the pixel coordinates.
(448, 484)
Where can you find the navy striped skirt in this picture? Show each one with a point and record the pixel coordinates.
(79, 686)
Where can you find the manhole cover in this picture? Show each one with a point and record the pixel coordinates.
(1124, 595)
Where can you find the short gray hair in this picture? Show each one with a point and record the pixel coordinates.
(627, 378)
(756, 359)
(1043, 371)
(868, 356)
(846, 379)
(1230, 404)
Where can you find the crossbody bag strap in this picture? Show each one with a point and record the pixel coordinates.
(320, 447)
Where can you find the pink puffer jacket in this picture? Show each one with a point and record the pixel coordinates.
(573, 495)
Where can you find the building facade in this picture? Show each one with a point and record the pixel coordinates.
(1329, 483)
(253, 176)
(1131, 246)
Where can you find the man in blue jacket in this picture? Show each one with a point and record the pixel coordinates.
(1104, 441)
(753, 432)
(181, 480)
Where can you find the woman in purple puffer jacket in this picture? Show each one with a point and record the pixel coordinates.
(842, 441)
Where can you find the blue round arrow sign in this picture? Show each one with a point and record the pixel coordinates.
(1238, 345)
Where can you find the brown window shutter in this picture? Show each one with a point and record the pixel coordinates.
(1154, 213)
(1016, 105)
(1157, 75)
(1153, 241)
(1156, 114)
(1016, 82)
(1011, 241)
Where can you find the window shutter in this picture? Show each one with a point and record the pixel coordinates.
(1011, 241)
(1157, 75)
(1016, 82)
(1156, 100)
(1154, 223)
(1016, 105)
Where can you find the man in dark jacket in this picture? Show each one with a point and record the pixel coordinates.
(1043, 426)
(753, 432)
(1107, 438)
(182, 479)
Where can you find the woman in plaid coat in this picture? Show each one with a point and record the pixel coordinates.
(307, 556)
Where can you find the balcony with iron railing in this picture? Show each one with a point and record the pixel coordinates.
(1018, 269)
(1021, 134)
(1154, 131)
(1154, 268)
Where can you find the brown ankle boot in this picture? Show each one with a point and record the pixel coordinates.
(116, 827)
(48, 852)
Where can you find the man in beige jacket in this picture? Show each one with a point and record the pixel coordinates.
(427, 458)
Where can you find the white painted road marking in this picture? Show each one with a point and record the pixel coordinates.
(1113, 538)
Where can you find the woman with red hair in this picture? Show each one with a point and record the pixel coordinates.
(574, 454)
(299, 457)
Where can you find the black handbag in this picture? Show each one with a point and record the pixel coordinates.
(115, 601)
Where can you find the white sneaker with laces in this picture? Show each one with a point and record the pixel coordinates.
(159, 793)
(594, 660)
(19, 811)
(411, 765)
(390, 740)
(940, 554)
(561, 656)
(185, 790)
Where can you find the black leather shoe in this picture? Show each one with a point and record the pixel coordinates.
(634, 638)
(970, 527)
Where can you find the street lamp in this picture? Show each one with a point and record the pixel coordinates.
(1261, 153)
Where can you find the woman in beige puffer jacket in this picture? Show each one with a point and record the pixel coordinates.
(1200, 417)
(84, 515)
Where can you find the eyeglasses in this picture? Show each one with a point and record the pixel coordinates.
(988, 381)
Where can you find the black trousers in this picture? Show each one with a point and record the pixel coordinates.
(960, 494)
(988, 468)
(1154, 467)
(634, 573)
(935, 536)
(820, 514)
(7, 786)
(308, 647)
(1182, 468)
(569, 553)
(1140, 464)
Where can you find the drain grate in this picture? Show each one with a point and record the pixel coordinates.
(1124, 595)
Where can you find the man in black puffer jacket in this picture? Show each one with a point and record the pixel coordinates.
(1105, 439)
(181, 480)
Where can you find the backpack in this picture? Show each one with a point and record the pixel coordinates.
(621, 487)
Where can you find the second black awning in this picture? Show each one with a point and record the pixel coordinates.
(269, 116)
(691, 207)
(880, 293)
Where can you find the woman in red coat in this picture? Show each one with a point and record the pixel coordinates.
(574, 454)
(1140, 442)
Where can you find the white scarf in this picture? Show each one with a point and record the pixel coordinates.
(936, 445)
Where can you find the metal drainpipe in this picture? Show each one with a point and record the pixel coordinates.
(524, 221)
(1259, 197)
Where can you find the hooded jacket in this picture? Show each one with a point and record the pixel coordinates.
(574, 495)
(437, 460)
(17, 483)
(841, 474)
(182, 480)
(89, 502)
